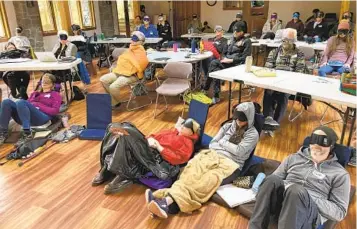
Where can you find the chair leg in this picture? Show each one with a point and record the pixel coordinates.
(329, 122)
(292, 109)
(132, 97)
(157, 101)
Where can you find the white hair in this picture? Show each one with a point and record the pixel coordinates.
(62, 32)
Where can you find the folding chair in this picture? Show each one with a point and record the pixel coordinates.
(99, 116)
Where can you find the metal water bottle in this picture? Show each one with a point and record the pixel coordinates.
(193, 46)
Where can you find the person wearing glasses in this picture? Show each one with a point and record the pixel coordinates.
(129, 69)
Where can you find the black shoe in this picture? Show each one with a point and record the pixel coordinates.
(25, 137)
(101, 177)
(117, 185)
(116, 106)
(3, 137)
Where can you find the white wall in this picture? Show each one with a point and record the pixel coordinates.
(50, 41)
(215, 15)
(285, 9)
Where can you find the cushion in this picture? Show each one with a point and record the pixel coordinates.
(173, 87)
(92, 134)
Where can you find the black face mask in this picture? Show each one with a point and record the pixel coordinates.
(321, 140)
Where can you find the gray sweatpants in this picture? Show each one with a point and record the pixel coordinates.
(292, 207)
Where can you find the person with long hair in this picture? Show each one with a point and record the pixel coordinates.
(339, 52)
(42, 105)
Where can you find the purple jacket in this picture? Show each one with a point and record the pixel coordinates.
(49, 103)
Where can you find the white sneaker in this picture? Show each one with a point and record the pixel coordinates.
(271, 122)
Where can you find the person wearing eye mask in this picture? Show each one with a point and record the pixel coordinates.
(339, 53)
(317, 29)
(297, 24)
(288, 58)
(64, 48)
(21, 42)
(348, 17)
(307, 189)
(149, 30)
(195, 24)
(271, 26)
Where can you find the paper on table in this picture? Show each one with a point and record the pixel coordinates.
(235, 196)
(17, 60)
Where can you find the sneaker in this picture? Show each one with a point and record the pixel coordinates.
(3, 137)
(149, 196)
(25, 137)
(352, 162)
(159, 208)
(270, 121)
(215, 100)
(117, 185)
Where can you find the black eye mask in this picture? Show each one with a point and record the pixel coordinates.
(342, 31)
(321, 140)
(63, 37)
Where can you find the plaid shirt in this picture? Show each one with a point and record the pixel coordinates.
(293, 61)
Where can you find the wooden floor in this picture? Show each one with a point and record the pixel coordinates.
(54, 190)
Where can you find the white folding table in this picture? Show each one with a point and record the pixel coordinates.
(36, 65)
(319, 88)
(205, 35)
(124, 41)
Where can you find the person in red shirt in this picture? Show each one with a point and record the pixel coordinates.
(175, 146)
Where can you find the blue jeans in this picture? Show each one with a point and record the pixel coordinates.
(23, 112)
(329, 69)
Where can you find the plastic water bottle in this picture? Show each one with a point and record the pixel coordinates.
(248, 63)
(193, 46)
(258, 181)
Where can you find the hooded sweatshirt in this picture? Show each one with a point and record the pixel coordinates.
(328, 183)
(239, 152)
(177, 148)
(267, 27)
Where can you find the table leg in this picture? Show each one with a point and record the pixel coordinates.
(352, 128)
(229, 100)
(345, 121)
(240, 94)
(65, 86)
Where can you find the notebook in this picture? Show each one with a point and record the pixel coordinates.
(234, 196)
(265, 72)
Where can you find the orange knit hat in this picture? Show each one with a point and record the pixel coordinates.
(343, 25)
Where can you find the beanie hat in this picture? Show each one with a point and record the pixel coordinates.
(239, 26)
(192, 124)
(343, 25)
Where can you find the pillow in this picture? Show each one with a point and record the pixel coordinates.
(209, 46)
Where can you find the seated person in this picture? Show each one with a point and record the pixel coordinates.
(149, 30)
(174, 146)
(20, 41)
(297, 24)
(17, 81)
(317, 29)
(288, 58)
(312, 17)
(339, 53)
(195, 26)
(131, 62)
(220, 43)
(206, 28)
(239, 17)
(80, 40)
(37, 110)
(64, 48)
(271, 26)
(238, 50)
(164, 30)
(137, 23)
(308, 188)
(203, 175)
(346, 16)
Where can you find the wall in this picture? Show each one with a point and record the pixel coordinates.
(285, 9)
(106, 17)
(215, 15)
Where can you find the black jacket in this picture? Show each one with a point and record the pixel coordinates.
(221, 45)
(238, 50)
(230, 30)
(130, 155)
(320, 30)
(164, 31)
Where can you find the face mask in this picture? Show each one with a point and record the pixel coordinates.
(346, 17)
(288, 45)
(321, 140)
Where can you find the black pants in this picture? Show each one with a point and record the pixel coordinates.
(18, 83)
(215, 65)
(293, 207)
(272, 99)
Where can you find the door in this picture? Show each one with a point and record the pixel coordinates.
(256, 14)
(182, 14)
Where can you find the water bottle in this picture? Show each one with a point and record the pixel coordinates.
(102, 36)
(248, 63)
(95, 37)
(257, 182)
(193, 46)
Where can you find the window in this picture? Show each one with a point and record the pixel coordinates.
(4, 27)
(82, 13)
(47, 20)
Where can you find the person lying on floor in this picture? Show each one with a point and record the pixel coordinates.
(17, 81)
(134, 161)
(307, 189)
(209, 169)
(42, 105)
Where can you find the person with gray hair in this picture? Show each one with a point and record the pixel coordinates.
(307, 189)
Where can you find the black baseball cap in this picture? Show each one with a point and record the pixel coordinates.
(239, 26)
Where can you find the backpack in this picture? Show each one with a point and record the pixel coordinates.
(78, 94)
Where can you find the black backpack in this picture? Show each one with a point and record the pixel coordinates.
(78, 94)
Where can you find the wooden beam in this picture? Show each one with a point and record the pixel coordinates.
(345, 6)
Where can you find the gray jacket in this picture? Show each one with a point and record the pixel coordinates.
(70, 51)
(240, 152)
(328, 183)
